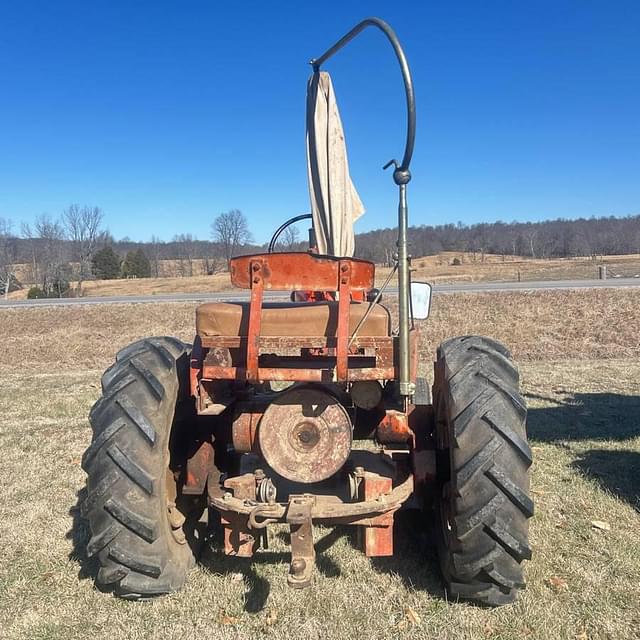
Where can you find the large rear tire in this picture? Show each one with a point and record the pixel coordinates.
(483, 461)
(143, 532)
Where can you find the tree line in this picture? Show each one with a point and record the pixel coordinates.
(54, 253)
(559, 238)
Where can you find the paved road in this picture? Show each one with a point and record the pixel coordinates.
(460, 287)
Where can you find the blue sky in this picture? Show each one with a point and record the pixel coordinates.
(166, 113)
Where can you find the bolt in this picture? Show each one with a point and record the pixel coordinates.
(256, 280)
(298, 566)
(359, 471)
(344, 268)
(259, 474)
(226, 496)
(256, 266)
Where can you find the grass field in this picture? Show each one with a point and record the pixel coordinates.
(579, 355)
(438, 268)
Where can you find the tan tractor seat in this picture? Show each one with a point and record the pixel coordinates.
(289, 319)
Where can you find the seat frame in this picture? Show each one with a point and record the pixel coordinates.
(255, 358)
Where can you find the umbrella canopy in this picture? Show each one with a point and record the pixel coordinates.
(335, 203)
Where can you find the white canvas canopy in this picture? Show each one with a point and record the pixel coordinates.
(335, 203)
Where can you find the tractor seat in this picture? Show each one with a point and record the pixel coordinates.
(289, 319)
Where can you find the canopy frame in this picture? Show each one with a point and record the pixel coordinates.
(401, 177)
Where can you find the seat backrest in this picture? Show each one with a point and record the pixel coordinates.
(298, 271)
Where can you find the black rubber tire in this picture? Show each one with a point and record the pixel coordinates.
(144, 404)
(483, 506)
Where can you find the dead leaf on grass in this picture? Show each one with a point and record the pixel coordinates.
(582, 634)
(412, 616)
(601, 524)
(557, 583)
(271, 617)
(227, 619)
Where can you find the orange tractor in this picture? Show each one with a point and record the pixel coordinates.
(257, 421)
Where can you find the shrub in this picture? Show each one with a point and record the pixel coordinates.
(35, 292)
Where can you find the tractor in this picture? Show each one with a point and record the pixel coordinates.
(257, 423)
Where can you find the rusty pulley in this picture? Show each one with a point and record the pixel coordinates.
(305, 435)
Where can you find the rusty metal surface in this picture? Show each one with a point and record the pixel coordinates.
(255, 319)
(303, 554)
(300, 271)
(297, 342)
(342, 330)
(244, 429)
(332, 511)
(394, 428)
(305, 435)
(377, 534)
(198, 468)
(239, 539)
(290, 374)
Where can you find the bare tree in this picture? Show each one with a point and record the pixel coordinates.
(29, 235)
(82, 225)
(231, 231)
(53, 266)
(291, 237)
(185, 243)
(7, 256)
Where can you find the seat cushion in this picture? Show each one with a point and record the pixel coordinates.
(289, 319)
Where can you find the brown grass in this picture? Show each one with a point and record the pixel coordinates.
(579, 356)
(551, 325)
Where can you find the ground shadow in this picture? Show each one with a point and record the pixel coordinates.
(415, 559)
(79, 535)
(594, 417)
(585, 416)
(617, 471)
(258, 588)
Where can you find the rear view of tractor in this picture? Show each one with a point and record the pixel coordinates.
(260, 418)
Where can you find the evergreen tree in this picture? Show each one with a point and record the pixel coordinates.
(106, 264)
(143, 266)
(136, 265)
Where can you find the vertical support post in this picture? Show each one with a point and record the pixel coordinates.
(255, 319)
(342, 337)
(406, 386)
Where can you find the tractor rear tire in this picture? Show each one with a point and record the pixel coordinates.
(144, 541)
(483, 506)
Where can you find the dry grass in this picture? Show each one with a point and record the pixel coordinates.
(599, 323)
(584, 424)
(438, 269)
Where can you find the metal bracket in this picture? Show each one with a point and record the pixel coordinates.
(303, 554)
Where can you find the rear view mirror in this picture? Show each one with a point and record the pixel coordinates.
(420, 300)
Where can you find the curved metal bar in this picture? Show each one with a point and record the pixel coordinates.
(282, 227)
(402, 171)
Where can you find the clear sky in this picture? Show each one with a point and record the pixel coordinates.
(167, 113)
